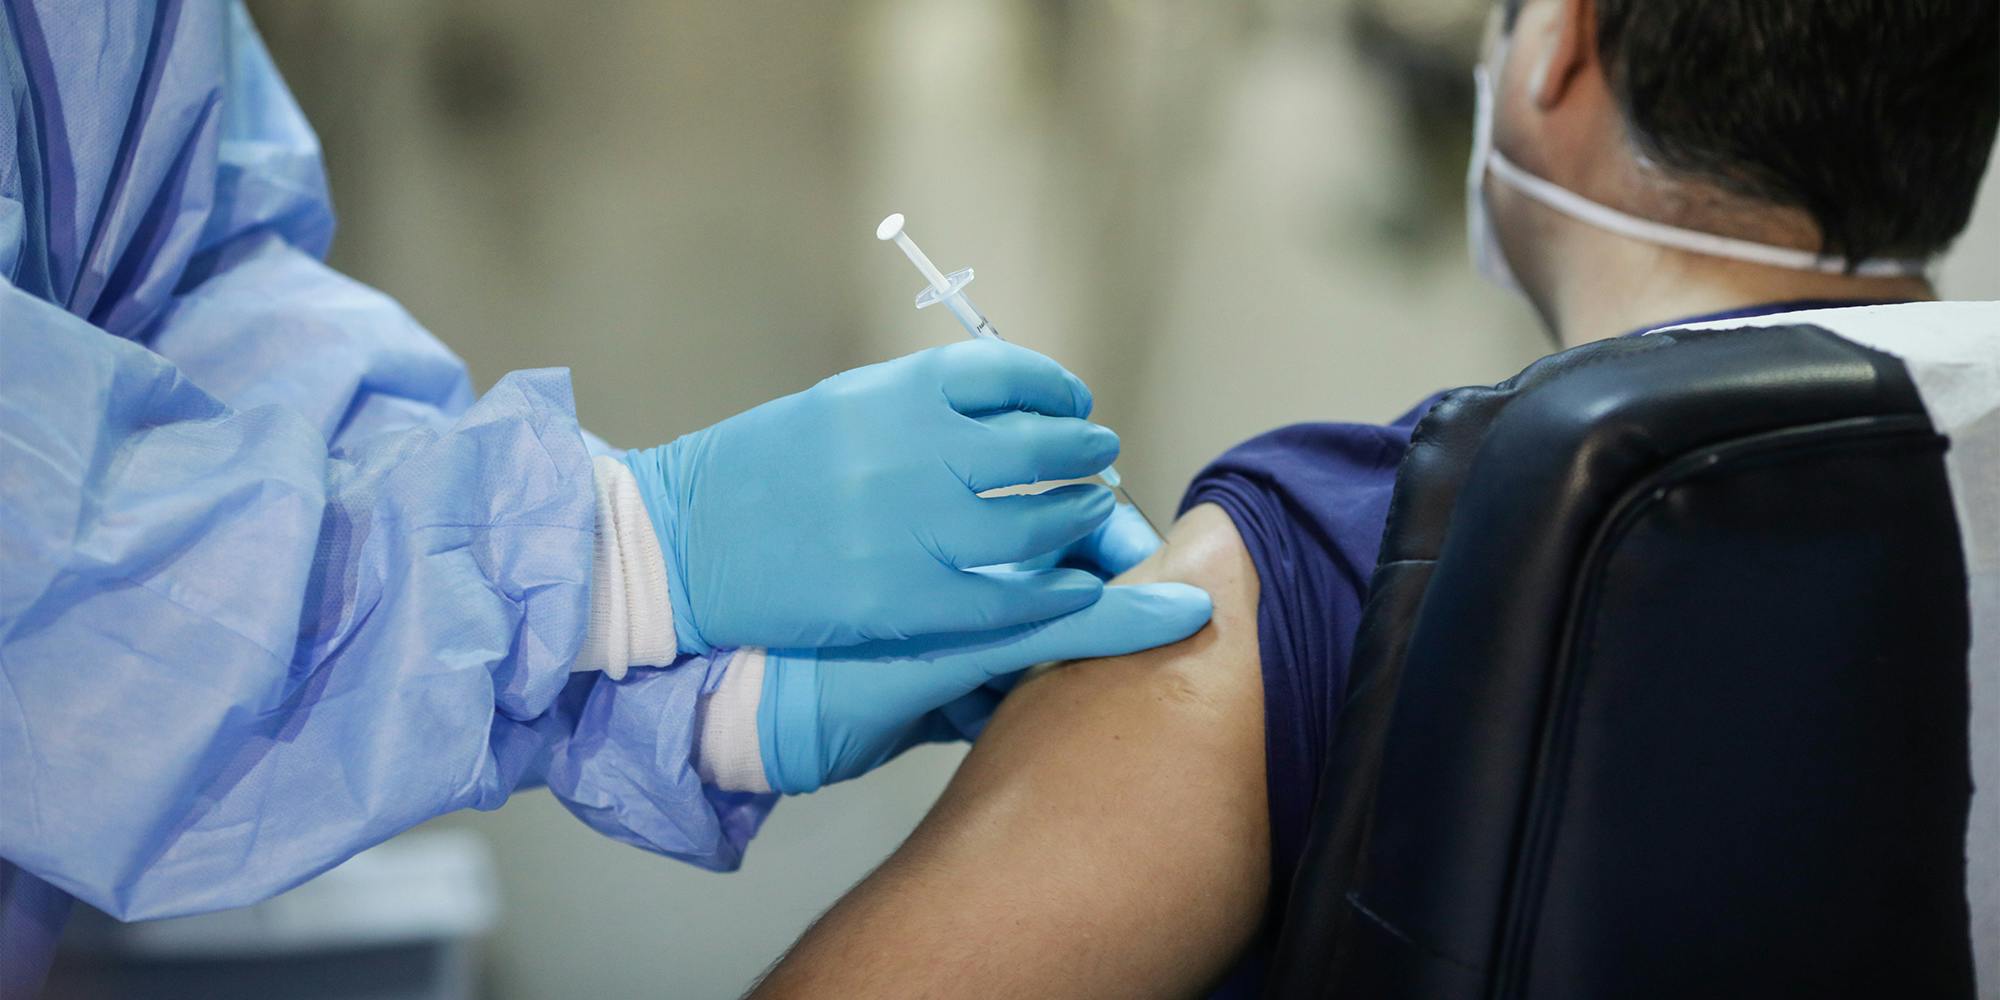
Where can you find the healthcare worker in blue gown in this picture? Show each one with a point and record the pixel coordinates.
(276, 584)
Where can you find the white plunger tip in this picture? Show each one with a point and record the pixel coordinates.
(892, 229)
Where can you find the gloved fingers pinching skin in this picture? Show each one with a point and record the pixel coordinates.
(834, 714)
(966, 717)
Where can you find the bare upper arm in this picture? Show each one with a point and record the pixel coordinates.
(1107, 835)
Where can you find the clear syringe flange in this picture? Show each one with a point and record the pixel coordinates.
(950, 290)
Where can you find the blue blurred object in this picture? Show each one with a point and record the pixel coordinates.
(831, 715)
(400, 921)
(851, 511)
(276, 584)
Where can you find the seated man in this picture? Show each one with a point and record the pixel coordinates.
(1119, 830)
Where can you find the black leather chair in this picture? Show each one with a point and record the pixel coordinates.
(1661, 692)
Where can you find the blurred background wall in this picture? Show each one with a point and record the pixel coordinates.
(1224, 216)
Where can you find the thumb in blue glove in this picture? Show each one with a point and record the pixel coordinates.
(833, 714)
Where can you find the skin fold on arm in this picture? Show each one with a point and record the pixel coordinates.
(1107, 835)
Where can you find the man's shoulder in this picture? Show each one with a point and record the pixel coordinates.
(1324, 480)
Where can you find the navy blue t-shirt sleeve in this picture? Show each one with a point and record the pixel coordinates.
(1310, 502)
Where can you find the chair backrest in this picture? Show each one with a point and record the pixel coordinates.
(1661, 691)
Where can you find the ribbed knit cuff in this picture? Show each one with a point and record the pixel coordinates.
(729, 755)
(631, 615)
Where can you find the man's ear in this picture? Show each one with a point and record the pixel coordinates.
(1572, 49)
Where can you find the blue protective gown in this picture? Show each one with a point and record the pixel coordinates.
(274, 583)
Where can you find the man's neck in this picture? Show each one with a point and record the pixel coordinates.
(1614, 286)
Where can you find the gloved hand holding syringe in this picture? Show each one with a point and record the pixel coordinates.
(950, 290)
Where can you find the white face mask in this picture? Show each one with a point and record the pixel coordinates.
(1490, 258)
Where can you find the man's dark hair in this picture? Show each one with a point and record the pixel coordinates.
(1874, 116)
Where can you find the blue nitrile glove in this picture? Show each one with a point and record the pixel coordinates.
(1123, 541)
(834, 714)
(849, 512)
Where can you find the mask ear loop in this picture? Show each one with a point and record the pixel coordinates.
(1612, 220)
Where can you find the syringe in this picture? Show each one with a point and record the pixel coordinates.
(950, 290)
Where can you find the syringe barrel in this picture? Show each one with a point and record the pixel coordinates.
(969, 317)
(949, 289)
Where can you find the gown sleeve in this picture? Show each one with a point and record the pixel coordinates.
(231, 657)
(277, 584)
